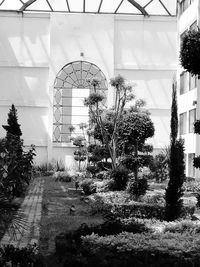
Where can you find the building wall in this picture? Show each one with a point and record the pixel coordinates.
(34, 47)
(190, 98)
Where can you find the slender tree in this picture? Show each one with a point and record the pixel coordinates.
(174, 191)
(13, 126)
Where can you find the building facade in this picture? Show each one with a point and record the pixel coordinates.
(188, 95)
(46, 59)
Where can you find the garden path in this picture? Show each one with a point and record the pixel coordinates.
(29, 231)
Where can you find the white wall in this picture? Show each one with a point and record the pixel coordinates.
(34, 47)
(145, 53)
(24, 60)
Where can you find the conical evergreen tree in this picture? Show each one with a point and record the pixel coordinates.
(174, 191)
(13, 126)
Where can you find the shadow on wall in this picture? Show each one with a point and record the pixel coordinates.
(24, 56)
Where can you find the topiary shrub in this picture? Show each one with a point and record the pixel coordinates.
(196, 162)
(138, 188)
(120, 178)
(197, 127)
(190, 52)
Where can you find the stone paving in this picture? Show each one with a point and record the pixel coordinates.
(31, 208)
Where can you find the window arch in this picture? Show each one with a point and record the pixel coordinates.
(70, 88)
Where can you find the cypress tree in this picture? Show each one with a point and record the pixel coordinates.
(174, 191)
(13, 127)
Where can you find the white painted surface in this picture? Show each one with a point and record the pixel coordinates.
(34, 47)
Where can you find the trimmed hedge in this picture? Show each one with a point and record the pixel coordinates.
(175, 250)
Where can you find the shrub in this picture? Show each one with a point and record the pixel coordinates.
(182, 227)
(193, 186)
(62, 176)
(190, 52)
(154, 199)
(93, 170)
(120, 178)
(175, 250)
(88, 186)
(197, 127)
(27, 256)
(196, 162)
(174, 191)
(138, 188)
(159, 167)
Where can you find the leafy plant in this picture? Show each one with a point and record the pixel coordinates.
(196, 162)
(18, 170)
(120, 178)
(138, 188)
(197, 127)
(174, 191)
(88, 186)
(190, 52)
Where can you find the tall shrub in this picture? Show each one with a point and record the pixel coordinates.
(174, 191)
(18, 162)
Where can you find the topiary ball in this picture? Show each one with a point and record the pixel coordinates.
(190, 52)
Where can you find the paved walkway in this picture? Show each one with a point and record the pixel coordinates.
(31, 209)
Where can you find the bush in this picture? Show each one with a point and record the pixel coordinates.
(138, 188)
(190, 52)
(196, 162)
(182, 227)
(120, 178)
(193, 186)
(175, 250)
(27, 256)
(93, 170)
(88, 187)
(197, 127)
(62, 176)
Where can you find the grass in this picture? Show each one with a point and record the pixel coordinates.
(56, 217)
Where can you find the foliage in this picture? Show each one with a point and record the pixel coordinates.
(159, 167)
(190, 52)
(27, 256)
(196, 162)
(123, 94)
(183, 227)
(136, 126)
(13, 127)
(93, 170)
(15, 164)
(120, 178)
(88, 186)
(176, 250)
(94, 98)
(138, 188)
(174, 191)
(193, 186)
(63, 176)
(131, 162)
(197, 127)
(80, 154)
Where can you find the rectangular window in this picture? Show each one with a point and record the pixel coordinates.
(191, 169)
(183, 123)
(192, 81)
(183, 82)
(192, 119)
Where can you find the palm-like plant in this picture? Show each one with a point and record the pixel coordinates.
(11, 218)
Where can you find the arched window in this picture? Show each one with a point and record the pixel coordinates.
(70, 88)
